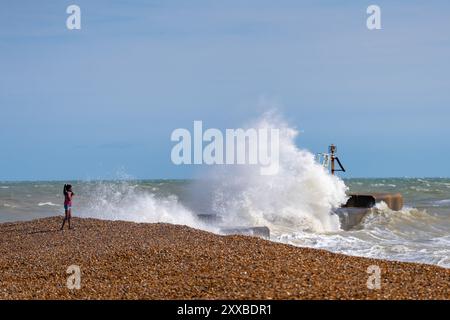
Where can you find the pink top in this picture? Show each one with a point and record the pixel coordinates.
(68, 198)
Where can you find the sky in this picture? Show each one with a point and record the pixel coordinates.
(101, 102)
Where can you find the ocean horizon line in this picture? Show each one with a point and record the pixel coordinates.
(200, 179)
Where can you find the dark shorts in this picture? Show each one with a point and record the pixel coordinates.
(67, 206)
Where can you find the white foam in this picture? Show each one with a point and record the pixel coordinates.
(122, 201)
(299, 197)
(442, 202)
(51, 204)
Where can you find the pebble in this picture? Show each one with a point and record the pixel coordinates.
(126, 260)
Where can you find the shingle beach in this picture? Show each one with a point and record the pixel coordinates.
(125, 260)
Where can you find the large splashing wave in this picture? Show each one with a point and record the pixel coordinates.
(299, 197)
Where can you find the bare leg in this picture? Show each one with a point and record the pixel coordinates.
(69, 217)
(64, 221)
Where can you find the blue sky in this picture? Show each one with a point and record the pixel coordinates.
(103, 100)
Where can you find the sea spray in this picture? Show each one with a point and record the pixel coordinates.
(124, 200)
(300, 197)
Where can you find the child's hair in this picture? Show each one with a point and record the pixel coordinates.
(67, 188)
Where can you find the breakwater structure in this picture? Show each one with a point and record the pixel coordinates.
(358, 205)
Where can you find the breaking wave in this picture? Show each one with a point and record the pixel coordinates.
(299, 197)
